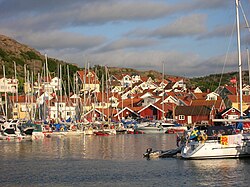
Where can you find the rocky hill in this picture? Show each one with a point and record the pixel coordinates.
(12, 51)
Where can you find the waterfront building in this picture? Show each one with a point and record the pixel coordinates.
(8, 85)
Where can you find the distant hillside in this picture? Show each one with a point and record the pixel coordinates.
(151, 73)
(211, 82)
(12, 51)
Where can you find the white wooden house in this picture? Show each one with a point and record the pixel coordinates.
(8, 85)
(212, 96)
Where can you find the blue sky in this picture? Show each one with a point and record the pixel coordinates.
(191, 37)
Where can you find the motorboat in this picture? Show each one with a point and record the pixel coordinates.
(220, 142)
(101, 133)
(10, 130)
(161, 153)
(32, 129)
(150, 127)
(172, 127)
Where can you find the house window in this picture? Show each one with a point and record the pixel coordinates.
(68, 113)
(181, 117)
(233, 110)
(24, 109)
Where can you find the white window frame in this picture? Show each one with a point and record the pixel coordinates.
(181, 117)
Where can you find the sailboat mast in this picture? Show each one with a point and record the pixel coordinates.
(68, 81)
(84, 91)
(39, 107)
(17, 81)
(239, 53)
(163, 91)
(61, 83)
(248, 62)
(5, 94)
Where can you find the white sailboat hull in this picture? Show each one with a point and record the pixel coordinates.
(238, 146)
(151, 130)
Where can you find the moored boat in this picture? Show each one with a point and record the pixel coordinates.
(150, 128)
(101, 133)
(221, 142)
(172, 128)
(34, 130)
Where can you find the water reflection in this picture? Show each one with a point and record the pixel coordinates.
(123, 147)
(217, 172)
(119, 147)
(111, 161)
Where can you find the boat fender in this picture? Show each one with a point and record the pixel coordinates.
(185, 150)
(205, 137)
(202, 137)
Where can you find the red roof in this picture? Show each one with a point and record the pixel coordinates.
(233, 98)
(128, 102)
(201, 102)
(232, 89)
(90, 77)
(23, 98)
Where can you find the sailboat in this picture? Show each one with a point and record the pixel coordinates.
(227, 143)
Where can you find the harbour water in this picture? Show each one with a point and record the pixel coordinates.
(111, 161)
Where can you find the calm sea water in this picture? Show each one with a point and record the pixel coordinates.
(111, 161)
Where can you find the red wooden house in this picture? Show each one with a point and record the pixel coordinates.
(124, 114)
(93, 115)
(194, 114)
(150, 112)
(230, 113)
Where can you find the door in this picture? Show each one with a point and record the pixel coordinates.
(189, 119)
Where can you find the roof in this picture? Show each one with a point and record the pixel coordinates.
(174, 79)
(149, 106)
(90, 77)
(22, 98)
(208, 103)
(128, 102)
(235, 99)
(144, 79)
(231, 89)
(124, 109)
(200, 95)
(166, 106)
(192, 110)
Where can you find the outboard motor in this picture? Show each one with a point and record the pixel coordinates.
(147, 153)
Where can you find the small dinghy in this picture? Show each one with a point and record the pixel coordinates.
(162, 154)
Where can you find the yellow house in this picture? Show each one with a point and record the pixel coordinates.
(235, 101)
(23, 107)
